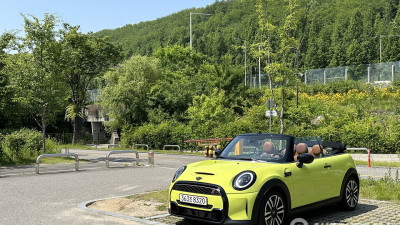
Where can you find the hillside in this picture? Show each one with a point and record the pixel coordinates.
(334, 32)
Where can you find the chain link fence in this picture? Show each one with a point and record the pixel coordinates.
(371, 73)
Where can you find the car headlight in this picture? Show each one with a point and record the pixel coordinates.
(178, 173)
(244, 180)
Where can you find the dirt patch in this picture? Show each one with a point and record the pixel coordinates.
(129, 207)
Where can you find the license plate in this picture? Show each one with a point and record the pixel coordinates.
(197, 200)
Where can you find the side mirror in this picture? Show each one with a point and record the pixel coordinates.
(217, 153)
(304, 158)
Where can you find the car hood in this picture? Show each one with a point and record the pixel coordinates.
(220, 172)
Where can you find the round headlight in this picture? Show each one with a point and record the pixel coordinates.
(244, 180)
(178, 173)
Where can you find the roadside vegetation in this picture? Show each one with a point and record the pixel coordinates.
(377, 163)
(386, 188)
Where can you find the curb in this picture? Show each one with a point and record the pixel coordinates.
(84, 206)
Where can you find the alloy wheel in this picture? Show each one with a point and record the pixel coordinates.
(351, 194)
(274, 210)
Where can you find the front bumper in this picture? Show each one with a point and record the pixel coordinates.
(222, 208)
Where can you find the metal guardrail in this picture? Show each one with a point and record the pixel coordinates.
(113, 145)
(363, 149)
(147, 146)
(57, 155)
(121, 152)
(179, 147)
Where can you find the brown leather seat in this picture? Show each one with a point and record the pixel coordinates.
(301, 148)
(315, 151)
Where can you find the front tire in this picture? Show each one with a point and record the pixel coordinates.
(273, 209)
(350, 194)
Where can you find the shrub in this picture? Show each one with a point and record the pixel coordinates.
(156, 135)
(21, 145)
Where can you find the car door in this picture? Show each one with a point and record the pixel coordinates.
(308, 183)
(335, 169)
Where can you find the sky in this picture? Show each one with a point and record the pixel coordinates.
(92, 15)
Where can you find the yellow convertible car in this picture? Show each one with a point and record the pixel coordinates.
(264, 179)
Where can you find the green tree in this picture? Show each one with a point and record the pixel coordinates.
(83, 58)
(5, 95)
(125, 96)
(283, 67)
(208, 112)
(36, 75)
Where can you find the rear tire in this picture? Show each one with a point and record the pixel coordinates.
(273, 209)
(350, 194)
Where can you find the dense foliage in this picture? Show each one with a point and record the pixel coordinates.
(23, 146)
(331, 32)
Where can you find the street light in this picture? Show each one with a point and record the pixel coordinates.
(191, 13)
(245, 60)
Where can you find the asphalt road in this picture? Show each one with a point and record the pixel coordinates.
(52, 198)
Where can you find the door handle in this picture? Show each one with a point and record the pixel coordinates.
(287, 172)
(327, 166)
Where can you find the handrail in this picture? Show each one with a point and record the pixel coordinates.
(113, 145)
(363, 149)
(147, 146)
(121, 152)
(179, 148)
(57, 155)
(357, 149)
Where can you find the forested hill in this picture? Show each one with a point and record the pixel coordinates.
(334, 32)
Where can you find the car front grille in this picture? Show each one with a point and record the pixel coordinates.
(195, 188)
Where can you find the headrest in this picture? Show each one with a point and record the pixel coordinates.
(301, 148)
(316, 150)
(268, 147)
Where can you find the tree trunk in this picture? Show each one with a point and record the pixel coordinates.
(44, 126)
(75, 130)
(282, 109)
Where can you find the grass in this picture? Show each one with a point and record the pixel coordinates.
(78, 146)
(377, 163)
(158, 196)
(383, 189)
(32, 161)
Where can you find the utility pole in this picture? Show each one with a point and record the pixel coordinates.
(380, 47)
(259, 66)
(190, 21)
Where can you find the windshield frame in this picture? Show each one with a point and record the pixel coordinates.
(287, 157)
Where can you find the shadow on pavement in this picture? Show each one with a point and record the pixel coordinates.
(322, 215)
(333, 214)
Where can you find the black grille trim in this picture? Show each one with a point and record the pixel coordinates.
(198, 189)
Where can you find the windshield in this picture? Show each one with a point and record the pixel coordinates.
(257, 147)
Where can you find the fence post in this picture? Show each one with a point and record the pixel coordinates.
(324, 76)
(369, 74)
(393, 68)
(345, 73)
(369, 158)
(151, 158)
(305, 78)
